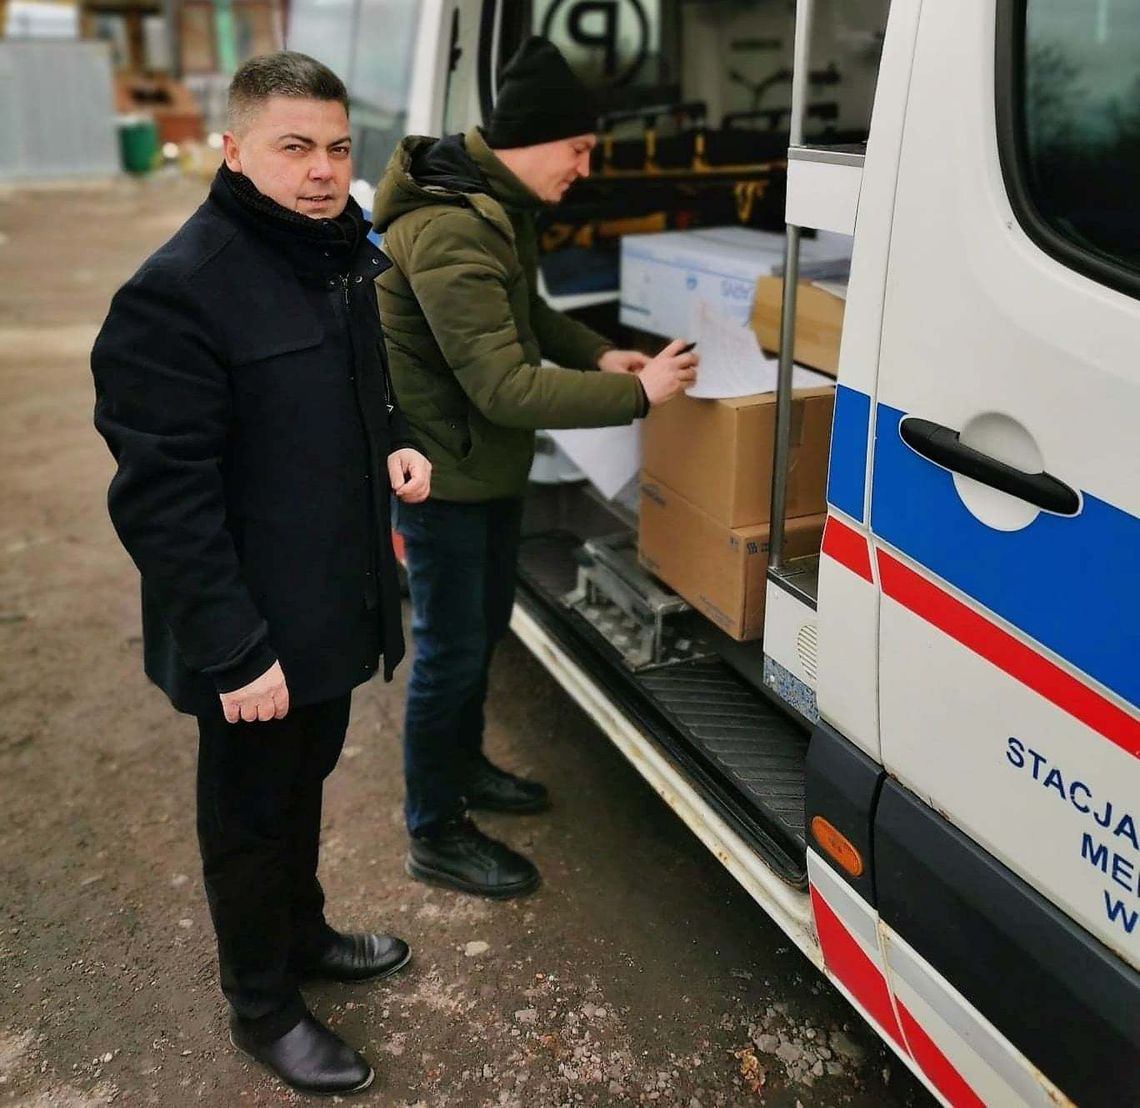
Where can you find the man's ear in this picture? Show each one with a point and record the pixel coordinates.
(230, 152)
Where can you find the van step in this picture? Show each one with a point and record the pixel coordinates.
(763, 754)
(743, 755)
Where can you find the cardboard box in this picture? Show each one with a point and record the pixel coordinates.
(819, 322)
(718, 453)
(721, 571)
(664, 277)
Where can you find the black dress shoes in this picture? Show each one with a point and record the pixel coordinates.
(309, 1058)
(495, 790)
(457, 855)
(358, 958)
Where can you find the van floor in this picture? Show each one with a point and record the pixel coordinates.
(745, 756)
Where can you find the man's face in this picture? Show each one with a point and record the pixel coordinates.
(550, 168)
(297, 152)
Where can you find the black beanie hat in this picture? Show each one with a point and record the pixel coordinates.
(540, 99)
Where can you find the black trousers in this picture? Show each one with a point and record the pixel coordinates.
(259, 823)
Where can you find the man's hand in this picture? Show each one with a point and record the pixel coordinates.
(670, 373)
(264, 699)
(410, 474)
(622, 361)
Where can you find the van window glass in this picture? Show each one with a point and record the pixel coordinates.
(1081, 112)
(729, 58)
(324, 29)
(369, 44)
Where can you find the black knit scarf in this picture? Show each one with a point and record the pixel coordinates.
(315, 246)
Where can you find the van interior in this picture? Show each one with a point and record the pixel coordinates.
(696, 102)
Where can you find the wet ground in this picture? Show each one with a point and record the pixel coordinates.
(640, 973)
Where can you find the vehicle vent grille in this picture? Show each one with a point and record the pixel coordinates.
(807, 650)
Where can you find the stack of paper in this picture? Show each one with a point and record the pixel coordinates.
(732, 363)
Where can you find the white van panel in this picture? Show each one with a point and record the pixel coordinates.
(848, 622)
(1003, 624)
(1015, 772)
(822, 195)
(859, 353)
(848, 604)
(976, 1061)
(429, 70)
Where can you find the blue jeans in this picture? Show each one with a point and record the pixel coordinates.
(461, 561)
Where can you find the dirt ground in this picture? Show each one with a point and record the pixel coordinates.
(640, 973)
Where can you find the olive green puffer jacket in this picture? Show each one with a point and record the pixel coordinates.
(466, 329)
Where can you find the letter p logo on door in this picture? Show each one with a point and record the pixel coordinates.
(611, 37)
(604, 38)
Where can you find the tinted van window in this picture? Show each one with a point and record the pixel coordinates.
(1081, 117)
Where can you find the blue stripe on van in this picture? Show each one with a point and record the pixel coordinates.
(847, 470)
(1073, 584)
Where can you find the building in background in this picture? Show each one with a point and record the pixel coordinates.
(156, 71)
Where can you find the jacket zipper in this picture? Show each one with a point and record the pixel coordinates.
(387, 390)
(372, 585)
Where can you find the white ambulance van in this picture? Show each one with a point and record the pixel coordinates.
(927, 770)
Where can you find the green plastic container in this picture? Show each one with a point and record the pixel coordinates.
(138, 143)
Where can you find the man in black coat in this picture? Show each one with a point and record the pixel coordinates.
(242, 386)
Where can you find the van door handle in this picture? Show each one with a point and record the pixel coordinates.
(942, 446)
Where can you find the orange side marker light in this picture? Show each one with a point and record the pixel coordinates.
(837, 846)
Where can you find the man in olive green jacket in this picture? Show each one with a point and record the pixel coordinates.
(467, 332)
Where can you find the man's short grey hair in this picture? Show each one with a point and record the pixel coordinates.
(286, 73)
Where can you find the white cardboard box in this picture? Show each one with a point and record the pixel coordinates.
(664, 277)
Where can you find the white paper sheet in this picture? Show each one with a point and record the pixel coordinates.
(609, 456)
(836, 288)
(732, 363)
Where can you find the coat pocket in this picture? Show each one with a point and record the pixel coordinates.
(259, 347)
(451, 435)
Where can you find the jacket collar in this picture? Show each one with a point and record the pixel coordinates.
(498, 196)
(507, 188)
(316, 249)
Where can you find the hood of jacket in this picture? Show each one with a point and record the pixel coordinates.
(458, 169)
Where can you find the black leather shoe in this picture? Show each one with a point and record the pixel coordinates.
(358, 958)
(309, 1058)
(495, 790)
(457, 855)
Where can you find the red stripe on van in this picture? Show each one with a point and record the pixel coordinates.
(943, 1076)
(850, 964)
(847, 960)
(848, 547)
(997, 646)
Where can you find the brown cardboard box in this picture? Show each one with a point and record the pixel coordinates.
(819, 322)
(718, 453)
(720, 571)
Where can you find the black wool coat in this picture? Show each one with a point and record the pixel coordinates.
(242, 385)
